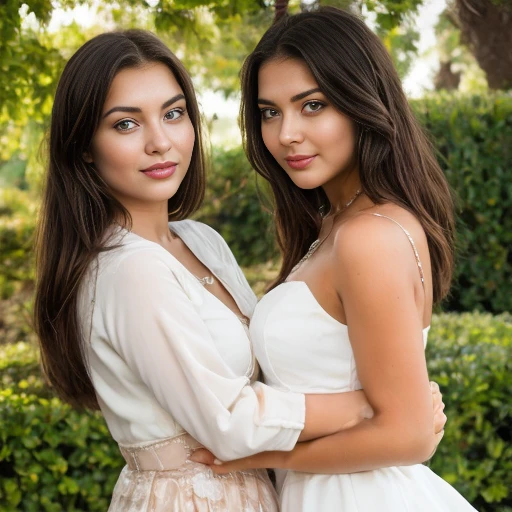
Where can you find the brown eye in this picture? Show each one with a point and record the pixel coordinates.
(268, 113)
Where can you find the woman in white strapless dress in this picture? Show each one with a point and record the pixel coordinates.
(327, 124)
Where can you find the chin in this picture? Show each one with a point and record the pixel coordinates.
(307, 184)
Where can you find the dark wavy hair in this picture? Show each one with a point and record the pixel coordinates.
(78, 207)
(396, 160)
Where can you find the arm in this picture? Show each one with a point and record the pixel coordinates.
(376, 283)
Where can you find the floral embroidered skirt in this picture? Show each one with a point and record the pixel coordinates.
(189, 487)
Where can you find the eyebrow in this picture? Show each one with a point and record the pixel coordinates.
(168, 103)
(297, 97)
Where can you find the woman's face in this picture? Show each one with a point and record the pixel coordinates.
(312, 141)
(143, 145)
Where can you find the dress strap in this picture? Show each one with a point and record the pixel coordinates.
(418, 261)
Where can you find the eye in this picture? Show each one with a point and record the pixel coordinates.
(268, 113)
(125, 125)
(312, 107)
(174, 114)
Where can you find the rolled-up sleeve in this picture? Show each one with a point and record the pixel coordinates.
(153, 325)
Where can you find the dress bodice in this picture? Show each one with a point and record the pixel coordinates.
(299, 346)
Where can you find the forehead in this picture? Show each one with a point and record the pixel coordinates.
(284, 76)
(153, 82)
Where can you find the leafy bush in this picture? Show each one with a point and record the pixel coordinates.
(473, 137)
(53, 458)
(232, 207)
(17, 212)
(470, 356)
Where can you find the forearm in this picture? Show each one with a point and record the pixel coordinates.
(369, 445)
(327, 414)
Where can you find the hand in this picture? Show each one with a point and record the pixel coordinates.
(439, 416)
(438, 404)
(259, 460)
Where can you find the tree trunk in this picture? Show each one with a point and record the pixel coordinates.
(281, 9)
(486, 28)
(446, 78)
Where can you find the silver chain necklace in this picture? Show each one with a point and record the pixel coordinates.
(317, 243)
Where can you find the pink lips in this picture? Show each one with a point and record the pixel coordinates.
(299, 161)
(161, 170)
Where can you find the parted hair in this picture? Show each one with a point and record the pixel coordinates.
(78, 207)
(396, 161)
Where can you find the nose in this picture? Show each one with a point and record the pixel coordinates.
(158, 139)
(291, 131)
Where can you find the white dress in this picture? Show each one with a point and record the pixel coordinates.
(172, 367)
(302, 349)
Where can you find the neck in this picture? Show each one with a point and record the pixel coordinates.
(151, 222)
(342, 189)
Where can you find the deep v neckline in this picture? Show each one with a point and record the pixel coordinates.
(241, 318)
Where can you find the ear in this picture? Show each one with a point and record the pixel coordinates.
(87, 157)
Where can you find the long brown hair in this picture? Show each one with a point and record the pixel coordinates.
(396, 161)
(78, 207)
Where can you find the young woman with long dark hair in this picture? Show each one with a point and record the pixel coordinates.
(365, 222)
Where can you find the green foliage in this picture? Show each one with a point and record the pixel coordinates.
(54, 458)
(469, 355)
(16, 237)
(472, 136)
(232, 207)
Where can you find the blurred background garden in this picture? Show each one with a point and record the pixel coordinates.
(53, 458)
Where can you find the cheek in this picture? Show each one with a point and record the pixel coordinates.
(111, 153)
(337, 135)
(269, 138)
(184, 140)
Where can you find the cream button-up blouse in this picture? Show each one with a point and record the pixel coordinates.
(166, 356)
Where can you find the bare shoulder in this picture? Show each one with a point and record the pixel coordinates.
(376, 239)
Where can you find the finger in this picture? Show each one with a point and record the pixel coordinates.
(439, 422)
(220, 470)
(434, 387)
(203, 456)
(439, 407)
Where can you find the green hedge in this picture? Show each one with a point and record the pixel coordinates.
(470, 356)
(17, 219)
(53, 458)
(234, 207)
(473, 136)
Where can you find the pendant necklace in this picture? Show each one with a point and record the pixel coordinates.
(208, 280)
(317, 243)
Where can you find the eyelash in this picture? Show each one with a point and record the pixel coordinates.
(180, 111)
(263, 111)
